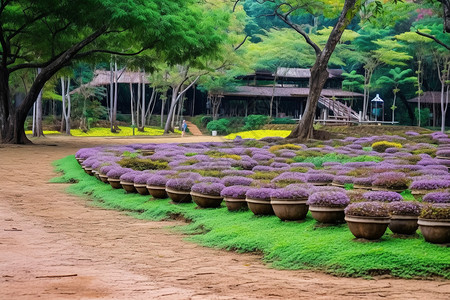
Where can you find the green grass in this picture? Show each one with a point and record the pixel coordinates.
(285, 245)
(124, 131)
(258, 134)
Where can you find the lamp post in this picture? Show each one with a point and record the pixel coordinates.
(375, 102)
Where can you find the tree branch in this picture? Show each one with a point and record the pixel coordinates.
(242, 43)
(433, 38)
(84, 54)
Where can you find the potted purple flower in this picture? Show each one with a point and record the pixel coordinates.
(391, 181)
(434, 223)
(234, 197)
(140, 183)
(320, 178)
(156, 186)
(236, 180)
(258, 201)
(207, 195)
(103, 171)
(382, 196)
(424, 186)
(363, 183)
(289, 204)
(328, 206)
(179, 189)
(342, 180)
(437, 197)
(367, 220)
(127, 181)
(114, 176)
(404, 215)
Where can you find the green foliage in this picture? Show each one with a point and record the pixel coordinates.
(318, 160)
(205, 120)
(283, 121)
(140, 164)
(253, 122)
(424, 115)
(259, 175)
(253, 144)
(330, 249)
(221, 126)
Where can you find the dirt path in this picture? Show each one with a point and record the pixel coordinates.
(58, 246)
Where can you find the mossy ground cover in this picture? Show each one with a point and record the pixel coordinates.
(286, 245)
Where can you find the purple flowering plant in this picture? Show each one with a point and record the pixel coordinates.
(437, 197)
(235, 191)
(329, 199)
(405, 208)
(289, 193)
(116, 172)
(368, 209)
(382, 196)
(213, 189)
(157, 180)
(259, 193)
(430, 184)
(439, 211)
(391, 180)
(236, 180)
(181, 184)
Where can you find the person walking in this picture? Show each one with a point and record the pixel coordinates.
(183, 128)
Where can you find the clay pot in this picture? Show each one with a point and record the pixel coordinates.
(289, 209)
(235, 204)
(178, 196)
(260, 207)
(206, 201)
(158, 192)
(436, 231)
(403, 224)
(141, 188)
(103, 178)
(327, 215)
(381, 188)
(115, 183)
(88, 171)
(370, 228)
(128, 186)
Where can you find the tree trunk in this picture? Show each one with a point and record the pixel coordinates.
(69, 105)
(142, 127)
(304, 129)
(37, 114)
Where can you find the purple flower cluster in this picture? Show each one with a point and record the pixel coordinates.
(236, 180)
(329, 199)
(367, 209)
(291, 177)
(180, 184)
(443, 153)
(116, 172)
(290, 193)
(142, 178)
(259, 193)
(129, 176)
(213, 189)
(391, 180)
(236, 191)
(408, 208)
(382, 196)
(320, 177)
(430, 184)
(437, 197)
(342, 179)
(157, 180)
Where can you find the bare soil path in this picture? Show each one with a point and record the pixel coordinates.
(57, 246)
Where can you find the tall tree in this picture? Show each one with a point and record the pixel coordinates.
(50, 34)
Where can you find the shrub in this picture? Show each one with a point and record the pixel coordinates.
(253, 122)
(283, 121)
(235, 191)
(437, 197)
(221, 126)
(259, 193)
(381, 146)
(253, 144)
(212, 189)
(367, 209)
(382, 196)
(405, 208)
(436, 211)
(329, 199)
(205, 120)
(140, 164)
(276, 148)
(429, 151)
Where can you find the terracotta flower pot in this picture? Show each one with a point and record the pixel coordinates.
(103, 178)
(158, 192)
(88, 171)
(370, 228)
(362, 187)
(235, 204)
(128, 186)
(290, 209)
(115, 183)
(327, 215)
(141, 188)
(260, 207)
(382, 188)
(435, 231)
(206, 201)
(178, 196)
(402, 224)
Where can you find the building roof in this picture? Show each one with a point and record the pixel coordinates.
(264, 91)
(304, 73)
(428, 97)
(103, 77)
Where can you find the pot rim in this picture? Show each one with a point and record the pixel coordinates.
(325, 208)
(232, 199)
(373, 220)
(257, 201)
(206, 195)
(156, 187)
(434, 222)
(169, 190)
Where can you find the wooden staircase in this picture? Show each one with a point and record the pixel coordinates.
(340, 110)
(193, 129)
